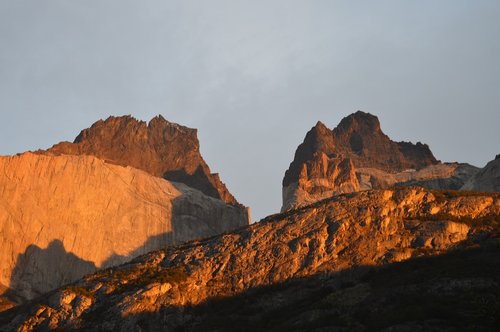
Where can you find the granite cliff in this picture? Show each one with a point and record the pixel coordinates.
(65, 216)
(160, 147)
(357, 155)
(307, 257)
(103, 200)
(360, 137)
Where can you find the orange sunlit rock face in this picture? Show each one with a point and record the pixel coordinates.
(65, 216)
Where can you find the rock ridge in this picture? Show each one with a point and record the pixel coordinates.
(161, 148)
(362, 229)
(360, 137)
(371, 160)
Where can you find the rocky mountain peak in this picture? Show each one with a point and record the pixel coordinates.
(318, 170)
(132, 130)
(328, 160)
(161, 148)
(164, 125)
(318, 140)
(359, 122)
(360, 136)
(320, 126)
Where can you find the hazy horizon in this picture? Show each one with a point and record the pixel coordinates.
(254, 76)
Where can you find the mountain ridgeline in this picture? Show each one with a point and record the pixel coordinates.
(127, 229)
(161, 148)
(124, 188)
(357, 155)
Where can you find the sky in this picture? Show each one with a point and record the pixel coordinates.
(254, 76)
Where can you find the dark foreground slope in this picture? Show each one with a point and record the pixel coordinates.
(455, 291)
(305, 269)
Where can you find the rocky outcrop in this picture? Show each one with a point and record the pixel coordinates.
(320, 177)
(65, 216)
(440, 176)
(360, 137)
(160, 147)
(486, 179)
(317, 171)
(367, 159)
(338, 234)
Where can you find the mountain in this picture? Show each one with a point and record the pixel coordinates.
(66, 216)
(307, 258)
(160, 147)
(359, 137)
(487, 179)
(318, 171)
(357, 155)
(88, 205)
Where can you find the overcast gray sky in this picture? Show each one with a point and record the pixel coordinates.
(254, 76)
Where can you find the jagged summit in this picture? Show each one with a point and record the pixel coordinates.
(360, 137)
(161, 148)
(359, 121)
(123, 123)
(318, 140)
(358, 155)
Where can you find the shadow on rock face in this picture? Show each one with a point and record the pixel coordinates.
(198, 180)
(195, 216)
(39, 270)
(152, 243)
(192, 215)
